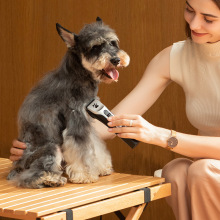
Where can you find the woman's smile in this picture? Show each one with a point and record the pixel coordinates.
(198, 34)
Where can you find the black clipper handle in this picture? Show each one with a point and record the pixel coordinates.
(99, 111)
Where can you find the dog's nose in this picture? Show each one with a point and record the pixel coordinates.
(115, 61)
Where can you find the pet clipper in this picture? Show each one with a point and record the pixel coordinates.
(99, 111)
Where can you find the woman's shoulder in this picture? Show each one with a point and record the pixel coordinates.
(181, 45)
(175, 46)
(179, 56)
(182, 42)
(162, 61)
(165, 53)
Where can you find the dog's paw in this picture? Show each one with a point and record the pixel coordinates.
(54, 180)
(12, 175)
(83, 178)
(106, 172)
(61, 182)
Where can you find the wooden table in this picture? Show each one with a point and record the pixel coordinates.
(110, 194)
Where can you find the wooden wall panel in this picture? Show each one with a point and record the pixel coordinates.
(30, 47)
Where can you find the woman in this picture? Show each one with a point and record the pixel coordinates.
(195, 65)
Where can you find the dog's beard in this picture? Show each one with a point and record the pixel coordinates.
(101, 68)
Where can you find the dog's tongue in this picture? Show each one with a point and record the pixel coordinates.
(113, 73)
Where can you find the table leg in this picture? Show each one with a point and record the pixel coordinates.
(135, 212)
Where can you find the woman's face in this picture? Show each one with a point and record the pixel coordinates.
(203, 17)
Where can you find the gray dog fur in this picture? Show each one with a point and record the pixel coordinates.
(52, 119)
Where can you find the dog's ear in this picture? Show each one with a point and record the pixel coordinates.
(67, 36)
(99, 20)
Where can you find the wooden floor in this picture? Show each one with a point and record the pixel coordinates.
(119, 189)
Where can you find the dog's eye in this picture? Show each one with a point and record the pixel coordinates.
(96, 47)
(113, 43)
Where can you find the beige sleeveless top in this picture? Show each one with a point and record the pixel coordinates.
(196, 68)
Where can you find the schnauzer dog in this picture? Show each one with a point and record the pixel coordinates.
(53, 121)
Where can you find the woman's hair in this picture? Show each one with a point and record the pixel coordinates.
(187, 28)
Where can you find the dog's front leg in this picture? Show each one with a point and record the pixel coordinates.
(80, 160)
(103, 157)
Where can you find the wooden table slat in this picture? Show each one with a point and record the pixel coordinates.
(82, 197)
(32, 203)
(17, 192)
(56, 206)
(57, 193)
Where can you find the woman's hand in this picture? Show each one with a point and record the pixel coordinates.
(17, 150)
(133, 126)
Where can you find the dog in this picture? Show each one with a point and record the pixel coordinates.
(52, 120)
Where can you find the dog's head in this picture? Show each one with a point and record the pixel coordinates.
(98, 49)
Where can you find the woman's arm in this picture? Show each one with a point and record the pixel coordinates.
(153, 82)
(194, 146)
